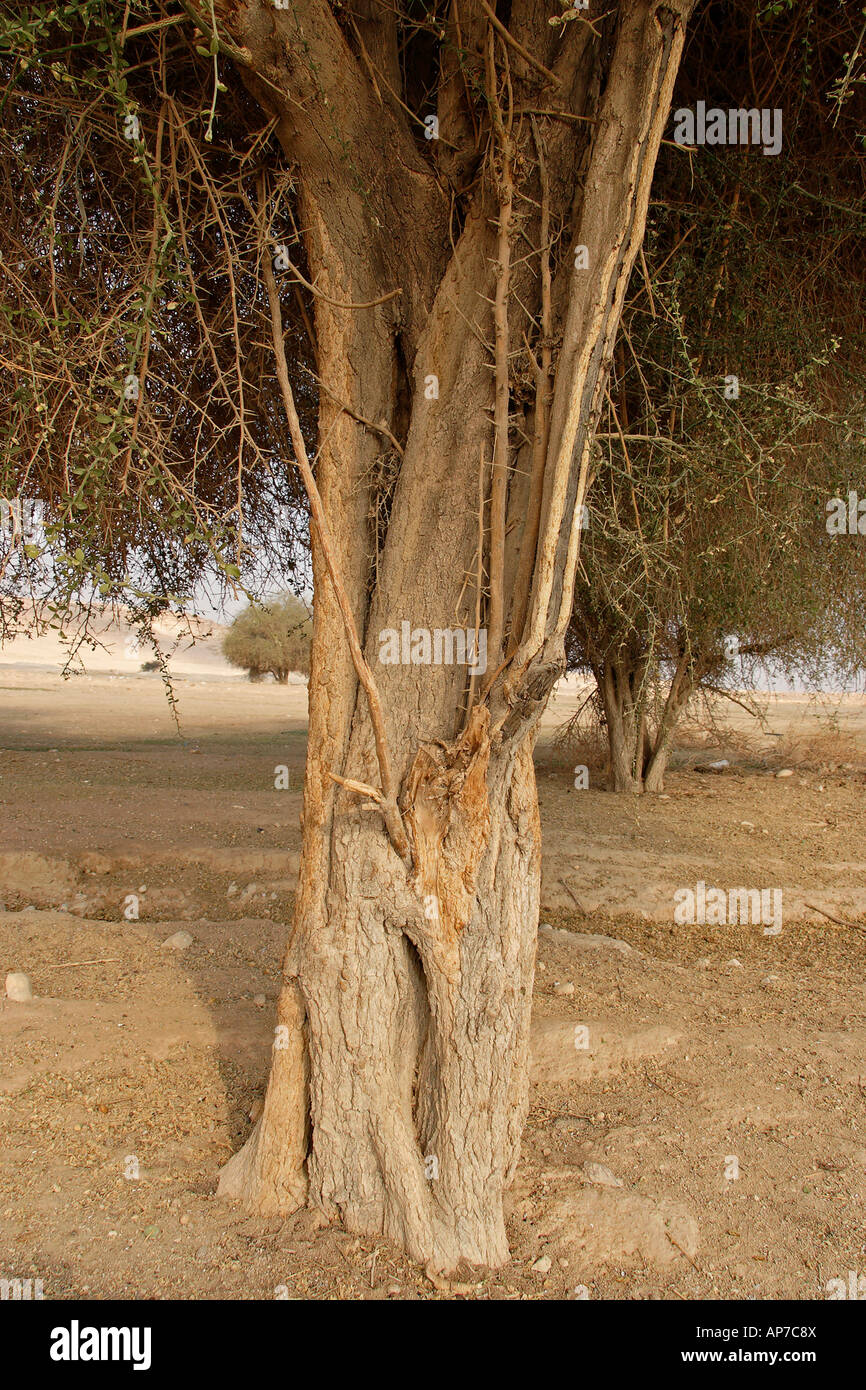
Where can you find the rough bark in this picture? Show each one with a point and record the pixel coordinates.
(637, 754)
(398, 1088)
(623, 701)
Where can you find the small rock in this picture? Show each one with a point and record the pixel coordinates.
(259, 1001)
(747, 824)
(601, 1175)
(563, 989)
(703, 963)
(256, 1108)
(18, 987)
(543, 1265)
(231, 890)
(737, 964)
(179, 941)
(786, 772)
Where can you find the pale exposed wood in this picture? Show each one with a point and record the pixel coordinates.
(526, 564)
(499, 476)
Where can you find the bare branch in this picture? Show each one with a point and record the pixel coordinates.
(499, 482)
(390, 809)
(517, 45)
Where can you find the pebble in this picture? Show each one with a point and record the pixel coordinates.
(259, 1001)
(543, 1264)
(786, 772)
(179, 941)
(737, 964)
(601, 1175)
(563, 989)
(18, 987)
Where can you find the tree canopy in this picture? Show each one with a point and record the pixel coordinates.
(271, 637)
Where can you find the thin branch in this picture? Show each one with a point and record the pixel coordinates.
(390, 809)
(841, 921)
(337, 303)
(479, 573)
(362, 788)
(362, 419)
(517, 45)
(499, 477)
(523, 579)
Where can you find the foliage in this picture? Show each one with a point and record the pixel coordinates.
(137, 411)
(273, 637)
(706, 550)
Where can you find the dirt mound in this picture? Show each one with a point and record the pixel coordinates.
(40, 877)
(563, 1050)
(594, 1227)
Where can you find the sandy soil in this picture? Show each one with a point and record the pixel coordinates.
(709, 1050)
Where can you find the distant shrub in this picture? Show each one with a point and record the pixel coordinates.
(273, 637)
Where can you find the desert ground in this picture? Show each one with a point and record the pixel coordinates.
(707, 1139)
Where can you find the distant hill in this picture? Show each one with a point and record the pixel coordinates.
(192, 646)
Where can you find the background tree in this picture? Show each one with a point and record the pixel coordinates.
(271, 637)
(736, 409)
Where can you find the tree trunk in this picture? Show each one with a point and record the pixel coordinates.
(399, 1081)
(625, 718)
(687, 674)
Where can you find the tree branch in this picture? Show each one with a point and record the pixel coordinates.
(499, 482)
(517, 45)
(523, 579)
